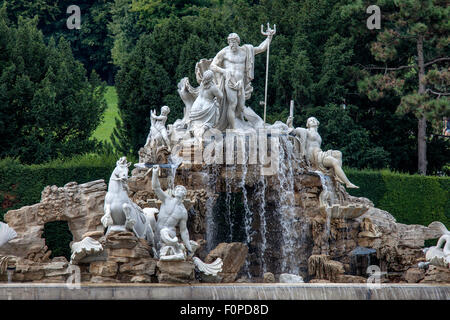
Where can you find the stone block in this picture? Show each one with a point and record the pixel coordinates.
(147, 267)
(436, 275)
(103, 268)
(414, 275)
(179, 269)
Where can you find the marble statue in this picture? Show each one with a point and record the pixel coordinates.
(158, 132)
(439, 255)
(121, 214)
(205, 109)
(6, 233)
(310, 141)
(157, 148)
(84, 248)
(233, 71)
(172, 214)
(234, 68)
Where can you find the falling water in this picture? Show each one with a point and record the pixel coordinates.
(211, 227)
(174, 161)
(260, 198)
(286, 210)
(328, 197)
(228, 184)
(248, 215)
(10, 273)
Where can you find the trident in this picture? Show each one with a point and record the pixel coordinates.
(269, 32)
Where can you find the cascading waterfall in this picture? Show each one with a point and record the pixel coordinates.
(285, 208)
(260, 198)
(283, 215)
(228, 184)
(328, 197)
(211, 227)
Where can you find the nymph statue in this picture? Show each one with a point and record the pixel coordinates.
(205, 109)
(324, 161)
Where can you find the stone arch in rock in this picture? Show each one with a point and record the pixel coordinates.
(81, 205)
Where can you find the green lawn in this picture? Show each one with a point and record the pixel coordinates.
(104, 130)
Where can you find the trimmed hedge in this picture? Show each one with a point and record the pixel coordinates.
(21, 185)
(411, 199)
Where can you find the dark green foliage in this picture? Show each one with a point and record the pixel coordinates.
(91, 44)
(411, 199)
(339, 131)
(49, 108)
(22, 185)
(57, 237)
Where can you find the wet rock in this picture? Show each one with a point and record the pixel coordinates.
(319, 281)
(414, 275)
(322, 267)
(346, 278)
(268, 277)
(233, 256)
(436, 274)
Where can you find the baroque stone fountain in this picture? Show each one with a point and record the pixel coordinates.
(222, 196)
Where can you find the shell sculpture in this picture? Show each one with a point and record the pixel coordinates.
(6, 233)
(209, 268)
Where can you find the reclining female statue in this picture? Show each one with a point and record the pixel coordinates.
(310, 142)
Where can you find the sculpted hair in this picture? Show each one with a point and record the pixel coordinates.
(234, 36)
(310, 120)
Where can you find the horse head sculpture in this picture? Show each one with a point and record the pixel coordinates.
(120, 213)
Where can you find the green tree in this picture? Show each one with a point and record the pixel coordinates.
(414, 48)
(49, 108)
(91, 44)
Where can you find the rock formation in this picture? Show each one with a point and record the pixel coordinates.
(80, 205)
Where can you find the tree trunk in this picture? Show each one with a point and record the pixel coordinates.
(422, 125)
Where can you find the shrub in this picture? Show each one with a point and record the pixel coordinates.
(411, 199)
(21, 185)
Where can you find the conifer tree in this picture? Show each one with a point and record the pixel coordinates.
(414, 48)
(48, 106)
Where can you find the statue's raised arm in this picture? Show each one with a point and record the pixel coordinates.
(157, 186)
(265, 44)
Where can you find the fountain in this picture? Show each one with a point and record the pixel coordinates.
(244, 202)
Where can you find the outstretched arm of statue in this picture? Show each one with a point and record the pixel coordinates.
(156, 185)
(263, 46)
(185, 234)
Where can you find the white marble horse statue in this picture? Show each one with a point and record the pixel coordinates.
(121, 214)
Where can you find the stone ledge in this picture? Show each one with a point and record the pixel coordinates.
(306, 291)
